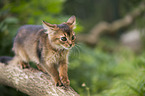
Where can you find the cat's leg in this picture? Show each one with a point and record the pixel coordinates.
(22, 58)
(24, 64)
(63, 74)
(55, 75)
(23, 61)
(52, 71)
(40, 68)
(17, 60)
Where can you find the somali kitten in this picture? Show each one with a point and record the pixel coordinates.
(48, 46)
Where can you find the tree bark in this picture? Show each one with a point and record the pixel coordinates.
(31, 81)
(93, 36)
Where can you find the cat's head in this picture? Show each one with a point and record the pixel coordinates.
(61, 36)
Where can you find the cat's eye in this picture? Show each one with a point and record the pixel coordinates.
(73, 37)
(63, 38)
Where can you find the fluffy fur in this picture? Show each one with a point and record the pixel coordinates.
(48, 46)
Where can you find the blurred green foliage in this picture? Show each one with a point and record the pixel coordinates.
(119, 73)
(105, 70)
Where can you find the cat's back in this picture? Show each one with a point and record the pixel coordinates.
(28, 33)
(27, 40)
(29, 29)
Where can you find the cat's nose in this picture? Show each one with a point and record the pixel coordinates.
(70, 45)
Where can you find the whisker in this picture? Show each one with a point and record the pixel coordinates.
(73, 50)
(76, 50)
(78, 45)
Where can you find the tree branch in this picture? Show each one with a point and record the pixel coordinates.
(31, 81)
(92, 37)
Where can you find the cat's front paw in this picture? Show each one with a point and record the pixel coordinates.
(24, 65)
(65, 81)
(58, 83)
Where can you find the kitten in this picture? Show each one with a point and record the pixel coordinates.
(48, 46)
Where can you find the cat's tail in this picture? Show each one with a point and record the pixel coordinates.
(5, 59)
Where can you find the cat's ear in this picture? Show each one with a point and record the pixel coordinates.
(72, 22)
(49, 27)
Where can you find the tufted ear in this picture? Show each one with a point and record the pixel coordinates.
(72, 22)
(49, 27)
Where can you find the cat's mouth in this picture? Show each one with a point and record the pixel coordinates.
(63, 47)
(67, 48)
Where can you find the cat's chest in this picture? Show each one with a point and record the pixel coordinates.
(56, 57)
